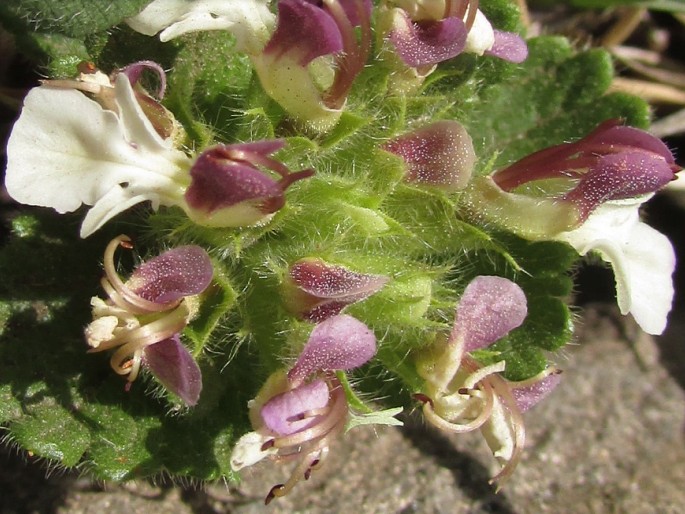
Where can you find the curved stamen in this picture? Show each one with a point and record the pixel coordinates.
(477, 422)
(150, 333)
(335, 416)
(470, 14)
(518, 428)
(115, 280)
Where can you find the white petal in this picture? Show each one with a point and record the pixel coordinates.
(250, 21)
(643, 260)
(481, 37)
(248, 450)
(65, 150)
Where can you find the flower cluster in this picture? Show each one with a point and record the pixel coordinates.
(369, 250)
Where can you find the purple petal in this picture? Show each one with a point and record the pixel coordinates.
(339, 343)
(527, 397)
(304, 32)
(182, 271)
(509, 46)
(284, 414)
(611, 133)
(171, 363)
(135, 70)
(488, 310)
(440, 155)
(316, 290)
(620, 176)
(218, 183)
(356, 10)
(426, 43)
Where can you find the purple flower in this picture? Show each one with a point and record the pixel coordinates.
(461, 395)
(298, 413)
(439, 155)
(228, 189)
(424, 34)
(315, 290)
(613, 162)
(144, 316)
(306, 31)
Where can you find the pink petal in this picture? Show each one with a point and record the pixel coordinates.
(527, 397)
(440, 155)
(304, 32)
(284, 414)
(509, 46)
(427, 43)
(179, 272)
(171, 363)
(339, 343)
(488, 310)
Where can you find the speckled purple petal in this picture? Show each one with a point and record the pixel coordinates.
(284, 414)
(179, 272)
(263, 147)
(135, 70)
(611, 133)
(339, 343)
(304, 32)
(527, 397)
(316, 290)
(439, 155)
(509, 46)
(171, 363)
(488, 310)
(218, 182)
(620, 176)
(427, 43)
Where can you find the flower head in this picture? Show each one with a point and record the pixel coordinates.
(299, 412)
(144, 316)
(315, 290)
(439, 155)
(461, 395)
(228, 189)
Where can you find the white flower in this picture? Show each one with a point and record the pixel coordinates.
(642, 258)
(66, 150)
(250, 21)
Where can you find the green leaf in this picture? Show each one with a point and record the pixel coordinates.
(73, 18)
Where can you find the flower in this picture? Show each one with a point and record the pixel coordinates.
(307, 63)
(425, 33)
(66, 150)
(310, 63)
(315, 290)
(461, 395)
(119, 149)
(643, 260)
(228, 189)
(144, 316)
(600, 182)
(298, 413)
(439, 155)
(250, 21)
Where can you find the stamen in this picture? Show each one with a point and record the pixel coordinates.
(126, 293)
(275, 492)
(477, 422)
